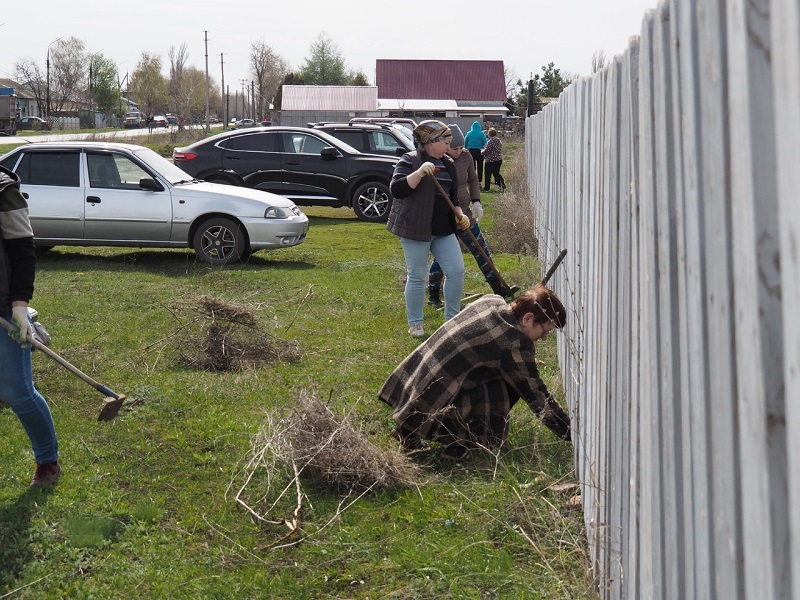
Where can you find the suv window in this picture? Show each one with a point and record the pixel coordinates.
(300, 143)
(259, 142)
(50, 168)
(352, 137)
(384, 142)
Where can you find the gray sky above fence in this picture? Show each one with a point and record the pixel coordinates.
(524, 34)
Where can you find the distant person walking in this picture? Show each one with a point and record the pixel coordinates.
(475, 142)
(493, 155)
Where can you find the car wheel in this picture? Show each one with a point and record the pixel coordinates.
(372, 201)
(221, 241)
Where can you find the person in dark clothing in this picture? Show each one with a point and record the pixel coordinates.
(424, 221)
(458, 386)
(469, 193)
(17, 273)
(493, 155)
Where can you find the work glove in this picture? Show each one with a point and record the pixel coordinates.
(427, 168)
(477, 211)
(19, 317)
(462, 221)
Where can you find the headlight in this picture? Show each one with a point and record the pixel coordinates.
(276, 212)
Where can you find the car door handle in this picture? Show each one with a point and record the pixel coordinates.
(292, 162)
(229, 157)
(93, 199)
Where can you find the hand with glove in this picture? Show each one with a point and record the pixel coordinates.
(19, 317)
(427, 168)
(462, 221)
(477, 211)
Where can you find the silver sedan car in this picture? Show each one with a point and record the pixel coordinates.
(109, 194)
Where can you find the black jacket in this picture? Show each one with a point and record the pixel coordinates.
(17, 250)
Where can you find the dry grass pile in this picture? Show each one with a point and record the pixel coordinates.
(311, 445)
(225, 336)
(332, 453)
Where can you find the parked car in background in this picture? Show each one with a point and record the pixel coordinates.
(308, 166)
(134, 119)
(245, 123)
(409, 124)
(171, 119)
(110, 194)
(33, 123)
(158, 121)
(385, 138)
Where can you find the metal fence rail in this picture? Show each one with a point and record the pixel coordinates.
(672, 177)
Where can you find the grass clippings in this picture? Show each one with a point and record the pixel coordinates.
(225, 337)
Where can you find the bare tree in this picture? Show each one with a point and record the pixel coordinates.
(598, 61)
(269, 69)
(177, 66)
(67, 72)
(29, 73)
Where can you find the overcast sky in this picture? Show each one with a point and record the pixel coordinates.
(524, 34)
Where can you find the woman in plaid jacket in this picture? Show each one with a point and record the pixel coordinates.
(458, 387)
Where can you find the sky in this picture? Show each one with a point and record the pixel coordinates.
(524, 34)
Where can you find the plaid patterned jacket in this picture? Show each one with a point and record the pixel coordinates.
(461, 383)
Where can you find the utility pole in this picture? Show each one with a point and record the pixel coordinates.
(253, 98)
(222, 89)
(244, 98)
(207, 80)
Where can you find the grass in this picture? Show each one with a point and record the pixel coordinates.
(146, 508)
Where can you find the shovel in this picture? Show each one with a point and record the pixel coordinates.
(113, 401)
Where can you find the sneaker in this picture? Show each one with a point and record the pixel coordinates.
(409, 441)
(455, 452)
(46, 474)
(417, 330)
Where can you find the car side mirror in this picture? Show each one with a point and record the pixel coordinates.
(148, 183)
(329, 153)
(399, 151)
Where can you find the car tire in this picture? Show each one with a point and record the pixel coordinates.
(221, 241)
(372, 201)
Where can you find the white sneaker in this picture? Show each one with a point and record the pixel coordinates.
(417, 330)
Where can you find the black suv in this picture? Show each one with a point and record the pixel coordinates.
(308, 166)
(371, 138)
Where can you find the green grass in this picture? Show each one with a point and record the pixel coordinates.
(145, 507)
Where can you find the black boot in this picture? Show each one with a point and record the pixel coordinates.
(433, 298)
(503, 290)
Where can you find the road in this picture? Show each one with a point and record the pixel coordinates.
(116, 135)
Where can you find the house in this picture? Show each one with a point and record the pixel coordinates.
(454, 91)
(26, 100)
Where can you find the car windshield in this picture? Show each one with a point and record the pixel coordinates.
(160, 164)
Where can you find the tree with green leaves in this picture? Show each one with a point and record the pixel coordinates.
(551, 83)
(103, 82)
(325, 65)
(148, 86)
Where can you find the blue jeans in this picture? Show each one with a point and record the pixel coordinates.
(17, 390)
(447, 253)
(435, 271)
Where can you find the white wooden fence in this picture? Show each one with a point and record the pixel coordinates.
(672, 177)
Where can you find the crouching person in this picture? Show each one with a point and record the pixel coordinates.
(459, 386)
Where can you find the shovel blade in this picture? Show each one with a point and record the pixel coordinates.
(111, 407)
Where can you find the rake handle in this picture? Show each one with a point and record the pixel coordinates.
(554, 266)
(63, 362)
